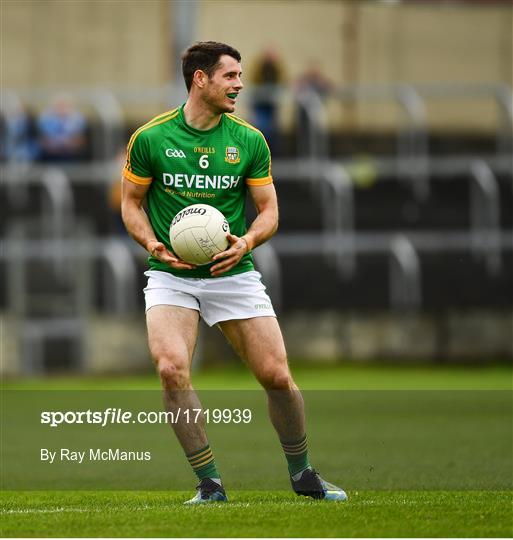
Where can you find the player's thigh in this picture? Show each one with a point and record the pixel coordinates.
(172, 334)
(259, 342)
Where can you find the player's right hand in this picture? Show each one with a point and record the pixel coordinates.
(160, 252)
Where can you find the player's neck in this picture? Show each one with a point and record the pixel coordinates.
(199, 116)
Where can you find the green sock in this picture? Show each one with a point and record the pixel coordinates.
(297, 455)
(203, 463)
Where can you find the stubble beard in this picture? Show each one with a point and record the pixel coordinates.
(216, 105)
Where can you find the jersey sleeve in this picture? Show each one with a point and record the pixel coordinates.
(260, 169)
(138, 163)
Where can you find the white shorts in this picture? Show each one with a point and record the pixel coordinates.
(219, 299)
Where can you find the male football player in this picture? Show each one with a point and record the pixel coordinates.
(201, 152)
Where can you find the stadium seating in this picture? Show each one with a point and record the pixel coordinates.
(415, 231)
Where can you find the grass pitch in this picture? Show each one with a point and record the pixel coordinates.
(257, 514)
(308, 377)
(369, 513)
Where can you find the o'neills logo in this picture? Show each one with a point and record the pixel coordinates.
(187, 212)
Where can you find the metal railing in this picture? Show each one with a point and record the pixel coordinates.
(329, 179)
(412, 134)
(500, 94)
(485, 215)
(116, 255)
(268, 262)
(334, 191)
(405, 275)
(411, 100)
(337, 206)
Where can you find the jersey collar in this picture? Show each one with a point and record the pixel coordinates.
(194, 130)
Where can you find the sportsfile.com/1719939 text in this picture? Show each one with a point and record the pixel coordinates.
(113, 415)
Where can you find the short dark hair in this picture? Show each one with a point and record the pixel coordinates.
(205, 55)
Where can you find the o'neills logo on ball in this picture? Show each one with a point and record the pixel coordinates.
(225, 226)
(187, 212)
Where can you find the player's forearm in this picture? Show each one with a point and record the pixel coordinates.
(262, 228)
(137, 224)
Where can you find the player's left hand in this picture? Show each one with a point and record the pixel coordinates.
(230, 257)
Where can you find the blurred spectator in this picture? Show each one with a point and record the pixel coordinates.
(62, 131)
(267, 72)
(20, 134)
(114, 194)
(312, 81)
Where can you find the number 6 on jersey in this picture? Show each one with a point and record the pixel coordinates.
(203, 161)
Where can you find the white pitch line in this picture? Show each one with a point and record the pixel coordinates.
(46, 510)
(59, 510)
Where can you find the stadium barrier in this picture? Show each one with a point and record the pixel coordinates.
(331, 183)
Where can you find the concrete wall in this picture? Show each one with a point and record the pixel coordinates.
(119, 344)
(424, 43)
(128, 43)
(85, 43)
(369, 43)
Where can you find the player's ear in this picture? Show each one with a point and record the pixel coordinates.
(199, 78)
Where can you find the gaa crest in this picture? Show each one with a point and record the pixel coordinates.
(232, 155)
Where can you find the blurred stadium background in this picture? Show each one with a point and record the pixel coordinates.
(391, 125)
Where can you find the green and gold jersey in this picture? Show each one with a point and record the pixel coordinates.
(185, 166)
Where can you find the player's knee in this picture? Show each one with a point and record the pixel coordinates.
(173, 375)
(282, 381)
(278, 379)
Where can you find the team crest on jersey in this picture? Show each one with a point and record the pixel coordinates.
(232, 155)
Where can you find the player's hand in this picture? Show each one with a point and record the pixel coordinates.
(230, 257)
(160, 252)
